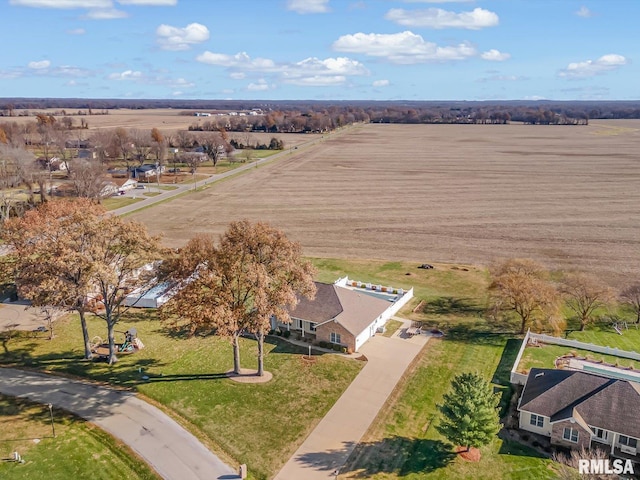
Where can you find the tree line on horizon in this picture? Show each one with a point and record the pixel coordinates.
(534, 112)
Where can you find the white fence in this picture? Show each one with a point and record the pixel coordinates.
(520, 378)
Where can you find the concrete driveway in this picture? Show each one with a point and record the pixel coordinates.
(329, 445)
(167, 447)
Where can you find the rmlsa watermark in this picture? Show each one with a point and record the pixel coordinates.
(594, 466)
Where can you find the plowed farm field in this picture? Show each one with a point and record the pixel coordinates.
(568, 196)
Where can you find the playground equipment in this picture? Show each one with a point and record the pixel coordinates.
(131, 344)
(617, 326)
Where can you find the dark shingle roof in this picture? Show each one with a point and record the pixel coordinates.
(354, 310)
(325, 306)
(600, 401)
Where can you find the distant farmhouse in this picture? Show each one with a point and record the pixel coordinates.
(577, 409)
(346, 313)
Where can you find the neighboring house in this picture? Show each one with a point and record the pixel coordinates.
(577, 409)
(344, 314)
(143, 172)
(153, 298)
(53, 164)
(77, 144)
(87, 154)
(118, 186)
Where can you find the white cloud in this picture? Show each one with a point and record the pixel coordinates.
(318, 80)
(177, 93)
(402, 48)
(63, 4)
(308, 6)
(437, 18)
(126, 75)
(310, 71)
(41, 65)
(502, 78)
(260, 86)
(176, 38)
(151, 3)
(77, 31)
(494, 55)
(381, 83)
(70, 71)
(590, 68)
(181, 83)
(584, 12)
(239, 60)
(106, 14)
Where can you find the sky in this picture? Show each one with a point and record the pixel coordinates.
(321, 49)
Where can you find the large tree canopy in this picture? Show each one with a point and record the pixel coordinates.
(237, 286)
(71, 254)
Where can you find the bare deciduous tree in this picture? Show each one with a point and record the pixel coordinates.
(522, 286)
(584, 294)
(631, 296)
(89, 179)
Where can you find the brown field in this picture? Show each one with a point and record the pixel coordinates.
(567, 196)
(165, 119)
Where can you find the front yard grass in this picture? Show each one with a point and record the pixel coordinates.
(79, 449)
(403, 442)
(113, 203)
(260, 425)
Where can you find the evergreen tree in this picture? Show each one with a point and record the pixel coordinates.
(469, 412)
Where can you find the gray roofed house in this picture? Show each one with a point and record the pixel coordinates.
(577, 409)
(343, 315)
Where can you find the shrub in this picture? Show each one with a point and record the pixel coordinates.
(279, 332)
(271, 332)
(337, 347)
(344, 349)
(287, 334)
(323, 344)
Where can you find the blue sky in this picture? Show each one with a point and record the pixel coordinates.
(321, 49)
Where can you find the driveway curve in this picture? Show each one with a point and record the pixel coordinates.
(169, 449)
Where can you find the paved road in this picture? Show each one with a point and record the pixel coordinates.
(168, 194)
(332, 441)
(167, 447)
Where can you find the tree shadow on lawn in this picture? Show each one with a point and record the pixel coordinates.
(126, 372)
(453, 306)
(394, 455)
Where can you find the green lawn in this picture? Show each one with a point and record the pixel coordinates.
(79, 450)
(600, 334)
(391, 327)
(403, 442)
(113, 203)
(448, 296)
(260, 425)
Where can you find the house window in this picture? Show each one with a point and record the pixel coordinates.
(334, 337)
(297, 324)
(536, 420)
(312, 326)
(600, 434)
(628, 441)
(570, 435)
